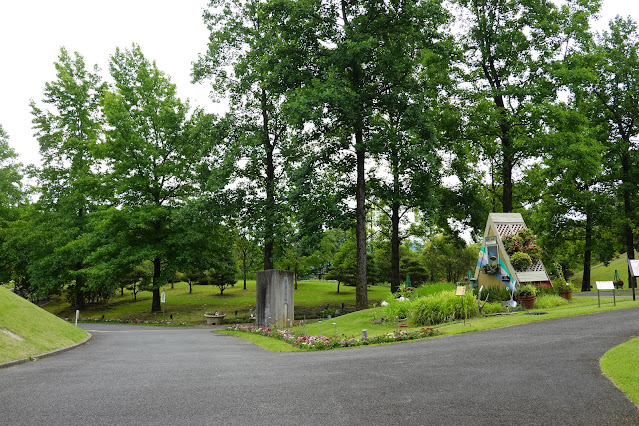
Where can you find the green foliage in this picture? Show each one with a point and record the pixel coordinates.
(495, 294)
(492, 308)
(526, 290)
(521, 261)
(448, 257)
(153, 165)
(522, 242)
(433, 288)
(442, 307)
(397, 307)
(545, 301)
(11, 190)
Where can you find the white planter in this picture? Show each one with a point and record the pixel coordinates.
(214, 319)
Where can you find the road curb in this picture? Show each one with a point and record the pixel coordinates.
(46, 354)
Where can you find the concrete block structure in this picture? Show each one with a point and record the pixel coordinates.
(275, 302)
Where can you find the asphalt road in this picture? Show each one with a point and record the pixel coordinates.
(541, 373)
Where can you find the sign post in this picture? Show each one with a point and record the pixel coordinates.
(461, 291)
(633, 269)
(163, 301)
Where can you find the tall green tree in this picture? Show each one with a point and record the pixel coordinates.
(11, 189)
(603, 75)
(574, 190)
(368, 60)
(152, 160)
(255, 56)
(69, 133)
(11, 195)
(511, 46)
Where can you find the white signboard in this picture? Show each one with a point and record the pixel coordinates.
(163, 298)
(605, 285)
(634, 267)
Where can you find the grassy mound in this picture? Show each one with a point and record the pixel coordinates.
(26, 330)
(602, 272)
(624, 374)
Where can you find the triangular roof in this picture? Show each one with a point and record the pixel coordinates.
(498, 225)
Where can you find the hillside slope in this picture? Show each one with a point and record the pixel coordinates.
(26, 330)
(601, 272)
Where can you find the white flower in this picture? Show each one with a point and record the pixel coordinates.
(384, 303)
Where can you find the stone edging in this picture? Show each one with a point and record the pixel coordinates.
(47, 354)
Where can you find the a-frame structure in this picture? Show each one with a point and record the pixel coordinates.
(493, 255)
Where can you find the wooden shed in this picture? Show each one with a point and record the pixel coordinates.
(493, 265)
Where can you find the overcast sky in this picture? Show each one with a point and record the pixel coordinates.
(170, 32)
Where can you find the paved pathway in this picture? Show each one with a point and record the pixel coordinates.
(128, 375)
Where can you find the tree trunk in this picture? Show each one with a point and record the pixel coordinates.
(156, 306)
(270, 187)
(627, 209)
(395, 279)
(338, 282)
(361, 293)
(79, 296)
(244, 267)
(507, 176)
(585, 282)
(361, 280)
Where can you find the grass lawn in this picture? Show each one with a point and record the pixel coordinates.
(604, 273)
(621, 366)
(351, 325)
(311, 297)
(37, 331)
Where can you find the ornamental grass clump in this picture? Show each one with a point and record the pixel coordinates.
(442, 307)
(546, 301)
(397, 307)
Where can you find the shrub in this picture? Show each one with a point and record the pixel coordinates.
(543, 291)
(520, 261)
(492, 308)
(534, 251)
(397, 308)
(512, 244)
(441, 307)
(526, 236)
(546, 301)
(495, 294)
(527, 290)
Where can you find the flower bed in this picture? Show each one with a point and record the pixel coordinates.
(319, 343)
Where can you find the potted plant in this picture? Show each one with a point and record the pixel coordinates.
(214, 318)
(521, 261)
(563, 288)
(526, 295)
(618, 284)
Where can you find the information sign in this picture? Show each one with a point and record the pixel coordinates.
(163, 298)
(605, 285)
(633, 264)
(461, 291)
